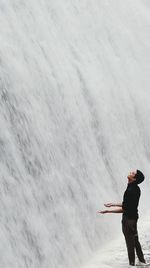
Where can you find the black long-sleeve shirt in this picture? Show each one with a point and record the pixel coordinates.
(131, 201)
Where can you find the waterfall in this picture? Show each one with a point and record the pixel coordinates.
(74, 117)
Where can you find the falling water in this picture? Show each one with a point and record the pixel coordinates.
(74, 117)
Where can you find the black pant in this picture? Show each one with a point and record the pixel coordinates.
(129, 228)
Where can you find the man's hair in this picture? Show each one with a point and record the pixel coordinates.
(139, 176)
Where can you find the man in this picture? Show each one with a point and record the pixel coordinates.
(129, 208)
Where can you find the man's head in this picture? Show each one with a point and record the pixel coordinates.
(136, 176)
(139, 176)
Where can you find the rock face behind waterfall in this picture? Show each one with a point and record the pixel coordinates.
(74, 119)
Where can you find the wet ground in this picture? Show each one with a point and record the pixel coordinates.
(115, 254)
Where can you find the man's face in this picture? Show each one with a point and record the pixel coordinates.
(131, 176)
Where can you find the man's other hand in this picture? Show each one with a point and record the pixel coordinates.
(108, 205)
(102, 211)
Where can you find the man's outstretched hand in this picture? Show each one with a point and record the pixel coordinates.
(102, 211)
(105, 211)
(108, 205)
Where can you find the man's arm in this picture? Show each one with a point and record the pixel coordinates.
(113, 205)
(118, 210)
